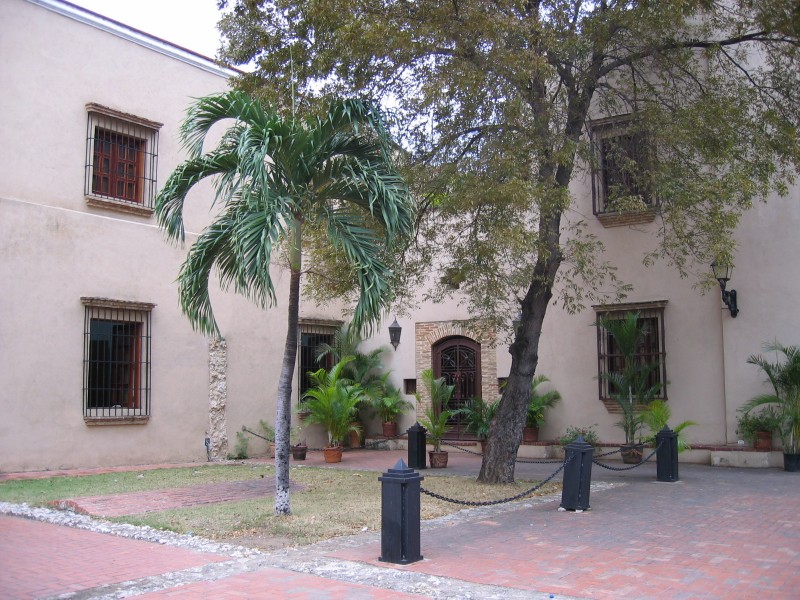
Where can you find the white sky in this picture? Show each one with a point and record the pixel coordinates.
(187, 23)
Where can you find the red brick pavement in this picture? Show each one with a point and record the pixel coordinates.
(40, 559)
(718, 533)
(647, 540)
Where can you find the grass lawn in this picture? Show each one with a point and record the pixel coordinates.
(332, 502)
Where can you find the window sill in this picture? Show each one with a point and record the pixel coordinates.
(119, 206)
(624, 219)
(106, 421)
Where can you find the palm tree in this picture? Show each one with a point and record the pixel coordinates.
(275, 176)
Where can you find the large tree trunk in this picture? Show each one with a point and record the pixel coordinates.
(283, 410)
(505, 434)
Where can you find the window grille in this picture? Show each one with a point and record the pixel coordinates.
(620, 180)
(116, 358)
(651, 350)
(312, 335)
(121, 158)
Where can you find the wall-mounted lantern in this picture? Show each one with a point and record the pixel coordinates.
(394, 333)
(722, 273)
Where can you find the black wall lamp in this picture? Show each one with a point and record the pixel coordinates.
(722, 273)
(394, 333)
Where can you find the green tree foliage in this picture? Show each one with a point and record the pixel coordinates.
(493, 100)
(276, 179)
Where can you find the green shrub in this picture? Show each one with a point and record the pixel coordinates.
(240, 451)
(588, 433)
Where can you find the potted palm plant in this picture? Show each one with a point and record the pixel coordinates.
(478, 417)
(656, 416)
(389, 406)
(537, 405)
(333, 403)
(630, 386)
(784, 377)
(436, 416)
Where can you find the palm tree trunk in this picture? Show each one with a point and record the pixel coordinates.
(283, 411)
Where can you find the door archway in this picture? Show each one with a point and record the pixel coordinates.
(458, 360)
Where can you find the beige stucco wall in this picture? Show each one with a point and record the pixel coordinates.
(55, 249)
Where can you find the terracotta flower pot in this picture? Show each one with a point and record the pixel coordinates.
(632, 453)
(530, 434)
(438, 460)
(763, 440)
(390, 429)
(332, 454)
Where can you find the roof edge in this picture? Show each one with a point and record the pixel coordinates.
(137, 36)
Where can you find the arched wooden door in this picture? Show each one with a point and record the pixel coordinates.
(458, 360)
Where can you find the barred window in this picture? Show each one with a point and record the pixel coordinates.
(651, 349)
(621, 179)
(121, 160)
(314, 334)
(116, 358)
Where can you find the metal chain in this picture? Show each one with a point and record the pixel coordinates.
(495, 502)
(532, 461)
(639, 464)
(608, 453)
(542, 461)
(462, 449)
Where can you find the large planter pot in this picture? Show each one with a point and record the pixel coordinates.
(632, 453)
(332, 454)
(530, 434)
(390, 429)
(763, 440)
(791, 462)
(438, 460)
(299, 451)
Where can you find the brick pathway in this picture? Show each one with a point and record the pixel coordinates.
(39, 559)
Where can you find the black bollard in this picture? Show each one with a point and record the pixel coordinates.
(577, 475)
(667, 455)
(416, 446)
(400, 539)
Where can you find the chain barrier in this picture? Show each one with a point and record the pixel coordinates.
(615, 451)
(502, 500)
(639, 464)
(457, 447)
(531, 461)
(367, 445)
